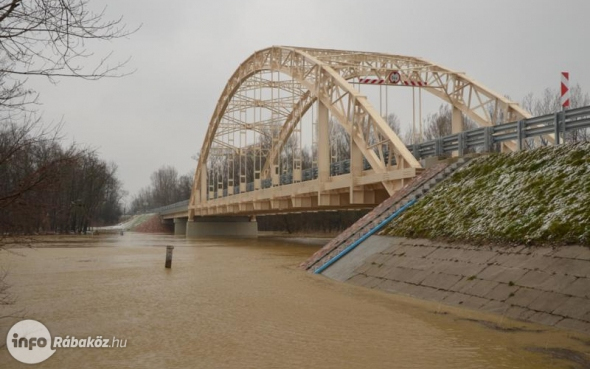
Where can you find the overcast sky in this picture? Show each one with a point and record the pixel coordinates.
(186, 50)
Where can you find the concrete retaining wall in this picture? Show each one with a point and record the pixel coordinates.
(540, 284)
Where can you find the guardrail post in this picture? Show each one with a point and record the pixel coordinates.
(438, 147)
(520, 134)
(461, 144)
(559, 127)
(487, 139)
(416, 150)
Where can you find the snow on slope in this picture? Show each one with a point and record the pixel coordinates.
(540, 196)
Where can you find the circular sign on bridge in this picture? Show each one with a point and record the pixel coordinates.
(394, 77)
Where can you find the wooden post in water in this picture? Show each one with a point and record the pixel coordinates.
(169, 256)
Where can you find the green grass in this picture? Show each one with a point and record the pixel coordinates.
(540, 196)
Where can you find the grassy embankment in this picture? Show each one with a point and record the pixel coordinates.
(536, 197)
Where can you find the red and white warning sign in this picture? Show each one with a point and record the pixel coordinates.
(371, 81)
(565, 90)
(415, 83)
(394, 77)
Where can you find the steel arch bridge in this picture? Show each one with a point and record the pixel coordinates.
(255, 131)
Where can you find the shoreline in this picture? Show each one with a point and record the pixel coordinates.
(546, 285)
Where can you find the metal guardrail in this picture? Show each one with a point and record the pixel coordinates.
(484, 138)
(172, 208)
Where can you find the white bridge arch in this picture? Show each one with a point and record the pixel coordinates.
(323, 78)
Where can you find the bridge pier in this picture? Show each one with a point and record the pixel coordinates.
(243, 226)
(180, 226)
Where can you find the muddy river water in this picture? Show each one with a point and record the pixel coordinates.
(229, 303)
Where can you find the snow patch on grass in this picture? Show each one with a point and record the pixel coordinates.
(540, 196)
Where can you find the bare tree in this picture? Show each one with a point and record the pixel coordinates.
(394, 123)
(549, 102)
(185, 186)
(30, 161)
(440, 124)
(47, 187)
(47, 37)
(339, 141)
(166, 188)
(164, 185)
(142, 201)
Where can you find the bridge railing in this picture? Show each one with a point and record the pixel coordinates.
(479, 139)
(172, 208)
(485, 138)
(336, 169)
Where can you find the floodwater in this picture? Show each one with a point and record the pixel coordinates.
(245, 304)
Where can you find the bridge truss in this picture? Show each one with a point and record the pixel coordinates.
(253, 158)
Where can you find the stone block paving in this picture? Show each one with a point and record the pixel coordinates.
(336, 245)
(545, 285)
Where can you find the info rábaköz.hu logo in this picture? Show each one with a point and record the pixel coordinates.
(29, 342)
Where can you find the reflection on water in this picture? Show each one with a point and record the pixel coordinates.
(244, 304)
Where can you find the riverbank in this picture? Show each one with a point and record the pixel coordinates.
(546, 285)
(508, 234)
(535, 197)
(231, 303)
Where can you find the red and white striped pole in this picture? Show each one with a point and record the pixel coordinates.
(565, 90)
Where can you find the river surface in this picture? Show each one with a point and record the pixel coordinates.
(245, 304)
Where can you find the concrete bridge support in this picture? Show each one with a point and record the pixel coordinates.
(180, 226)
(222, 227)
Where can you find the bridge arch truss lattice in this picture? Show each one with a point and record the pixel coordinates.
(252, 161)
